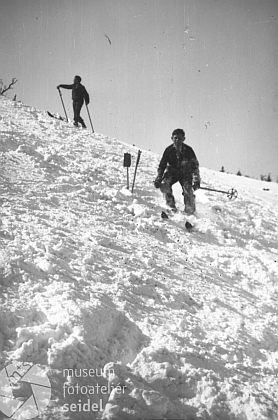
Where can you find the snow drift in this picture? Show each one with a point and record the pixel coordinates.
(130, 315)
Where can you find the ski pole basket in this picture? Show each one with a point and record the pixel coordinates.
(232, 193)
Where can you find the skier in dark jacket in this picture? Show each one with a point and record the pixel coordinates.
(79, 94)
(179, 163)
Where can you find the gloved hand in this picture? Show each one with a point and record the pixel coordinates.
(87, 102)
(157, 183)
(196, 185)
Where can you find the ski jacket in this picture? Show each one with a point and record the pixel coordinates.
(79, 93)
(183, 163)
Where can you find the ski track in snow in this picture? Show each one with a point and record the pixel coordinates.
(92, 277)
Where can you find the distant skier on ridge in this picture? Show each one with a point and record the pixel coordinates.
(179, 163)
(79, 94)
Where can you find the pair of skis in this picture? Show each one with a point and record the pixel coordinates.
(231, 194)
(187, 224)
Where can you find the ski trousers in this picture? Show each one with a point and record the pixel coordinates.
(170, 178)
(77, 105)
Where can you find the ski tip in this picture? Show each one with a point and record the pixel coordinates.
(188, 225)
(164, 215)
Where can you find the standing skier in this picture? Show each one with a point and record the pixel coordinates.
(179, 163)
(79, 94)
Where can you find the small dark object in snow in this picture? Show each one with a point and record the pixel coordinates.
(266, 189)
(54, 116)
(188, 225)
(164, 215)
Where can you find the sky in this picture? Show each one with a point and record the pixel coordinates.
(207, 66)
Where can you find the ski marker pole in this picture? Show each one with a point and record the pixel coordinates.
(127, 163)
(63, 103)
(136, 166)
(232, 193)
(90, 119)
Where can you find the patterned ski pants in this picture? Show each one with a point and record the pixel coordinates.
(168, 181)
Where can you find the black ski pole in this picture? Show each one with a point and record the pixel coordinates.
(63, 103)
(90, 118)
(136, 166)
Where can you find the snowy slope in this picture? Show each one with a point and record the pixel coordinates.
(93, 280)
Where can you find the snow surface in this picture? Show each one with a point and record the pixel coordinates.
(93, 280)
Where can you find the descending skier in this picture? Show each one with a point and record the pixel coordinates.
(79, 94)
(179, 163)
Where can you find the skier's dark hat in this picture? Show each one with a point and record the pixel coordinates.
(178, 131)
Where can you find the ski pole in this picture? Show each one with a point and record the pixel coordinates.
(63, 104)
(90, 118)
(232, 193)
(136, 166)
